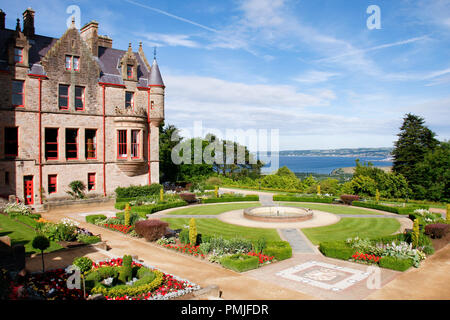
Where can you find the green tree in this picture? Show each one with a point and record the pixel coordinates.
(415, 140)
(168, 171)
(363, 185)
(434, 173)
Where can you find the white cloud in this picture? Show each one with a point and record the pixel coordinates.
(314, 76)
(172, 40)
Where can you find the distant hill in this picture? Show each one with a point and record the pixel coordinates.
(384, 153)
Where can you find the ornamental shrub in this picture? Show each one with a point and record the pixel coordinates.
(184, 236)
(231, 199)
(151, 229)
(337, 249)
(437, 230)
(280, 250)
(396, 263)
(94, 217)
(83, 263)
(397, 210)
(127, 214)
(126, 272)
(188, 197)
(259, 245)
(41, 243)
(149, 209)
(303, 199)
(240, 262)
(349, 198)
(415, 234)
(192, 232)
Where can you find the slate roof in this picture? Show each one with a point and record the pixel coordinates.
(155, 75)
(108, 60)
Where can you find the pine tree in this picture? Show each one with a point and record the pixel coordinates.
(415, 140)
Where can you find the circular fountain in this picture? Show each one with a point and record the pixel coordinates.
(278, 214)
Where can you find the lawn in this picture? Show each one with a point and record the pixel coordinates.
(21, 234)
(352, 227)
(330, 208)
(226, 230)
(213, 209)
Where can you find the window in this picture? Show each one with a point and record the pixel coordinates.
(51, 143)
(63, 97)
(6, 177)
(79, 98)
(68, 63)
(11, 142)
(52, 183)
(134, 144)
(129, 71)
(17, 93)
(76, 63)
(18, 55)
(122, 143)
(129, 100)
(71, 144)
(91, 181)
(91, 143)
(72, 62)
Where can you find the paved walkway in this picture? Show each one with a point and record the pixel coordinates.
(297, 240)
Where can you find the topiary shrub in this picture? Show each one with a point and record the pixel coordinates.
(151, 229)
(192, 232)
(437, 230)
(127, 214)
(349, 198)
(337, 249)
(41, 243)
(280, 250)
(396, 263)
(240, 262)
(126, 272)
(83, 263)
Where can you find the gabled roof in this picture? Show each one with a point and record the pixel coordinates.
(108, 60)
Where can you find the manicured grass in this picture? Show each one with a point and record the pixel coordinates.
(330, 208)
(214, 209)
(226, 230)
(352, 227)
(21, 234)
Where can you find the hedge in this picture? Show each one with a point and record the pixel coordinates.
(94, 217)
(240, 262)
(149, 209)
(397, 210)
(231, 199)
(151, 229)
(281, 250)
(337, 249)
(303, 199)
(138, 191)
(396, 263)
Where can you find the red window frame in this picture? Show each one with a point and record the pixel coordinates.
(68, 60)
(129, 71)
(135, 144)
(79, 98)
(91, 181)
(71, 147)
(122, 152)
(60, 105)
(52, 183)
(76, 65)
(130, 103)
(11, 142)
(93, 144)
(51, 143)
(20, 93)
(18, 53)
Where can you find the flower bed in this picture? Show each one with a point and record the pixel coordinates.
(185, 248)
(118, 227)
(370, 258)
(262, 258)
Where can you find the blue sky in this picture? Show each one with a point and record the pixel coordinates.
(310, 68)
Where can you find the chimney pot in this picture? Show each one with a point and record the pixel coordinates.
(28, 22)
(2, 19)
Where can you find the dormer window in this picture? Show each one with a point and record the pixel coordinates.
(72, 63)
(129, 71)
(18, 55)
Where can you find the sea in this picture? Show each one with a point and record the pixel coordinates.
(322, 165)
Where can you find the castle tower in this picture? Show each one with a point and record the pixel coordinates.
(156, 113)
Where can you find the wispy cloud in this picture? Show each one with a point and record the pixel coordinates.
(314, 76)
(174, 40)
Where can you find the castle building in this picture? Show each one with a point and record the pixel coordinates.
(75, 108)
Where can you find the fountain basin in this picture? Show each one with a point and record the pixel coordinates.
(278, 214)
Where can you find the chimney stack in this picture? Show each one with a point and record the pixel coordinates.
(89, 33)
(2, 20)
(28, 22)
